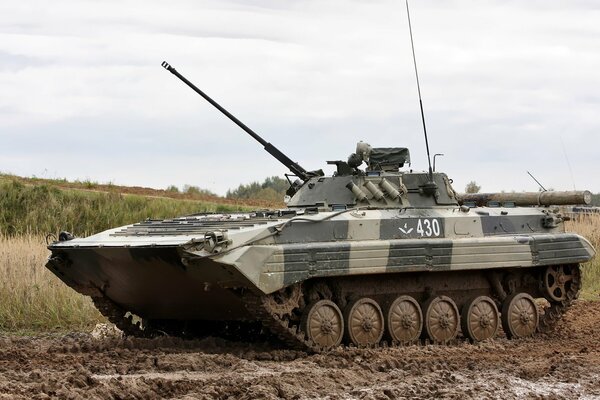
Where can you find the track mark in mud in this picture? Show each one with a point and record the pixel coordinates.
(250, 372)
(561, 364)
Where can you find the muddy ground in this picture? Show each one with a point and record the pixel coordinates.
(563, 364)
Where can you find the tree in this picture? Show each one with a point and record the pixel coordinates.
(472, 187)
(196, 191)
(273, 189)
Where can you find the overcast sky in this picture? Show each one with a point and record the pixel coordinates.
(508, 87)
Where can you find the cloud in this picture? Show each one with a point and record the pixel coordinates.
(503, 83)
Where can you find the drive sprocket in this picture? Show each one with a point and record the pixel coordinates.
(554, 313)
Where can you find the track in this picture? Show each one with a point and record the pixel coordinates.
(284, 314)
(564, 363)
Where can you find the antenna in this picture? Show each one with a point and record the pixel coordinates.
(419, 90)
(536, 181)
(568, 162)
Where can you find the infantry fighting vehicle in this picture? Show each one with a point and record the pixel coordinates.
(374, 252)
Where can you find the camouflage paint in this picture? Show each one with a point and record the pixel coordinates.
(168, 268)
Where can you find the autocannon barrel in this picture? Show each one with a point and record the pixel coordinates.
(548, 198)
(274, 151)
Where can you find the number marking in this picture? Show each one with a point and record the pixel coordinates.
(426, 227)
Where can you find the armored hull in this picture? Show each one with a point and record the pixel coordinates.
(273, 266)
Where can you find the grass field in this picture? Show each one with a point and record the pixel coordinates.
(589, 227)
(39, 209)
(32, 299)
(187, 193)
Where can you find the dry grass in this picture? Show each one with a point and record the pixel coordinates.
(589, 227)
(34, 299)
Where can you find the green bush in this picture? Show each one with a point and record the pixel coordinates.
(196, 191)
(272, 189)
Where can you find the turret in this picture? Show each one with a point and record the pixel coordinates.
(380, 184)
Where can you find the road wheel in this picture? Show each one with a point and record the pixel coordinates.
(364, 322)
(520, 315)
(441, 320)
(404, 320)
(323, 324)
(480, 319)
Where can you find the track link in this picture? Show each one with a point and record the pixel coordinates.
(118, 316)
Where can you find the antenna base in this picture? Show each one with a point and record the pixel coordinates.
(430, 188)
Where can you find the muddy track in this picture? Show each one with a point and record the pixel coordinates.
(564, 363)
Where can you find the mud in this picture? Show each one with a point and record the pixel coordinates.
(561, 364)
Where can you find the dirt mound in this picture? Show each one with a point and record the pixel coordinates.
(562, 364)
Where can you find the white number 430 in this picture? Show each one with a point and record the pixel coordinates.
(428, 227)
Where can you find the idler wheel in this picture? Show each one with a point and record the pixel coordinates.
(520, 316)
(404, 320)
(557, 282)
(364, 322)
(442, 319)
(480, 319)
(323, 324)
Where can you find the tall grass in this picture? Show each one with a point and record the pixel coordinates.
(589, 227)
(42, 209)
(34, 299)
(172, 191)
